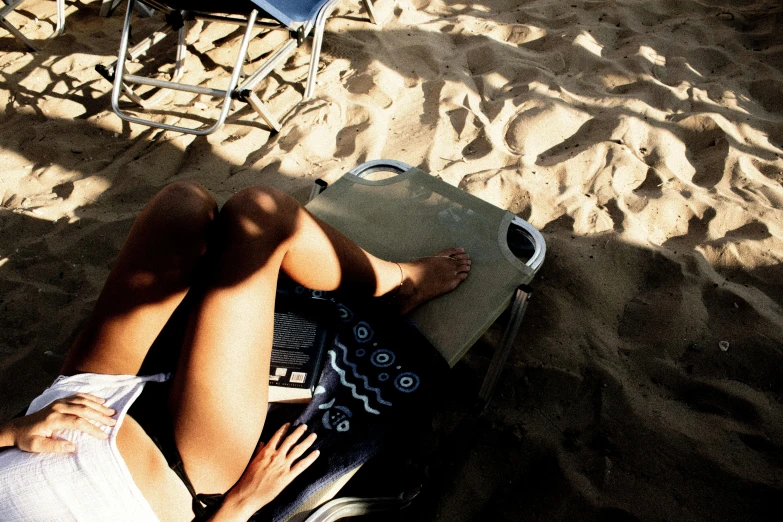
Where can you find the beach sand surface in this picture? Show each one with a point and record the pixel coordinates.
(643, 138)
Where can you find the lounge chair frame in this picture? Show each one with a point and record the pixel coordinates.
(11, 5)
(358, 506)
(350, 506)
(108, 7)
(244, 91)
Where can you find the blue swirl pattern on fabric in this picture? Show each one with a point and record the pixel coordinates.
(379, 370)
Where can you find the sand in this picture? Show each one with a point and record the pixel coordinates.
(643, 138)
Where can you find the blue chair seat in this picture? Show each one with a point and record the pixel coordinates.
(287, 12)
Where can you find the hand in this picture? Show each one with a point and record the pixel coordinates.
(33, 433)
(272, 468)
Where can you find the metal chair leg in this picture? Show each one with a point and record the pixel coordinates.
(518, 307)
(182, 53)
(318, 37)
(120, 78)
(108, 7)
(370, 11)
(10, 5)
(60, 19)
(18, 34)
(262, 111)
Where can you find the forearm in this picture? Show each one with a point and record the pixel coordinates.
(7, 434)
(233, 510)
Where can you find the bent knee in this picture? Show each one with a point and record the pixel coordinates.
(188, 201)
(261, 210)
(178, 220)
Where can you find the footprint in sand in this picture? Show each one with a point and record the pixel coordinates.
(366, 84)
(629, 173)
(313, 128)
(352, 136)
(540, 125)
(769, 94)
(459, 119)
(716, 400)
(520, 34)
(478, 148)
(420, 61)
(710, 61)
(707, 149)
(657, 304)
(770, 176)
(484, 59)
(743, 319)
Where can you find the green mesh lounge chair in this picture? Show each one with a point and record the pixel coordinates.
(10, 5)
(299, 18)
(412, 214)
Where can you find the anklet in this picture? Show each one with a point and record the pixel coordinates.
(402, 277)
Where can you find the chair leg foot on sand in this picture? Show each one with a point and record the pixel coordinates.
(370, 11)
(11, 5)
(297, 24)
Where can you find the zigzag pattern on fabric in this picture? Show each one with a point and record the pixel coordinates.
(341, 373)
(356, 374)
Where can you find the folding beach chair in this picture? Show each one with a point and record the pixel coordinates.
(10, 5)
(108, 7)
(298, 17)
(410, 215)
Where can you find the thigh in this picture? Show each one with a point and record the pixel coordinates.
(148, 280)
(219, 396)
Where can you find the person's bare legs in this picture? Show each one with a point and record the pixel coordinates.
(219, 397)
(148, 280)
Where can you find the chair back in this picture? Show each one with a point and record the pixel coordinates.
(292, 12)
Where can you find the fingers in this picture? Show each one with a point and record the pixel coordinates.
(273, 469)
(278, 436)
(259, 447)
(46, 445)
(303, 464)
(76, 412)
(292, 439)
(93, 402)
(81, 410)
(301, 448)
(76, 423)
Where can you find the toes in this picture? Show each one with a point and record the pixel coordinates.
(449, 252)
(456, 281)
(460, 257)
(464, 265)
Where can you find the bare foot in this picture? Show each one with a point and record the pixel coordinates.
(431, 276)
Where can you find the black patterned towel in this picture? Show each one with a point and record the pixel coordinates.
(379, 373)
